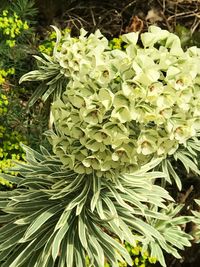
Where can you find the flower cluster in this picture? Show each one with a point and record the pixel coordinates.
(3, 104)
(10, 151)
(121, 108)
(140, 258)
(11, 27)
(116, 43)
(10, 144)
(5, 73)
(6, 164)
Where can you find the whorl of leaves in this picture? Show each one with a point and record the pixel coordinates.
(56, 217)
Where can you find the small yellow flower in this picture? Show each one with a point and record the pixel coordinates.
(135, 250)
(11, 71)
(145, 254)
(136, 261)
(26, 27)
(2, 80)
(5, 12)
(152, 260)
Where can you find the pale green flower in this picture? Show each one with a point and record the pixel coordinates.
(106, 98)
(124, 153)
(123, 114)
(131, 38)
(147, 142)
(153, 36)
(92, 114)
(166, 100)
(102, 136)
(180, 130)
(166, 146)
(95, 146)
(92, 162)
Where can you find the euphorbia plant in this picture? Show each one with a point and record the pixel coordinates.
(117, 115)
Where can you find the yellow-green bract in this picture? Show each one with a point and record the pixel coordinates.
(122, 108)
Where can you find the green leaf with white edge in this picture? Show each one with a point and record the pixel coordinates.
(157, 253)
(27, 219)
(39, 91)
(82, 230)
(80, 256)
(24, 255)
(6, 218)
(164, 168)
(44, 62)
(81, 198)
(14, 255)
(13, 238)
(62, 257)
(169, 249)
(48, 92)
(58, 37)
(35, 75)
(32, 153)
(97, 251)
(147, 167)
(41, 220)
(60, 234)
(12, 179)
(69, 255)
(44, 237)
(45, 256)
(33, 259)
(106, 239)
(96, 191)
(187, 162)
(128, 235)
(110, 205)
(3, 203)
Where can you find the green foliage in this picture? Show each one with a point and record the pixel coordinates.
(11, 27)
(4, 74)
(16, 20)
(56, 214)
(187, 38)
(26, 9)
(10, 139)
(48, 44)
(10, 144)
(175, 238)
